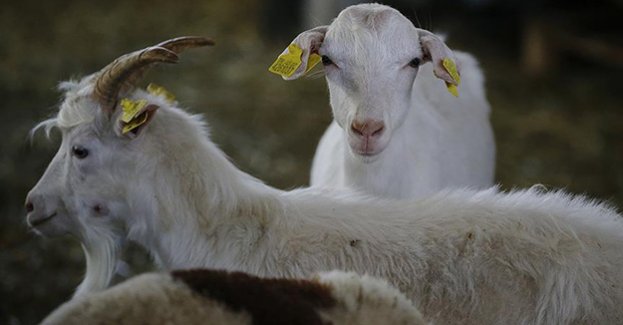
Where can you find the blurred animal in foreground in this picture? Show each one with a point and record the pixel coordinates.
(217, 297)
(132, 166)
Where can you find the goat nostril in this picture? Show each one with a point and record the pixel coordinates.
(378, 132)
(356, 130)
(367, 128)
(29, 207)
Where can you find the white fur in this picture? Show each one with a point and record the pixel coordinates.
(463, 256)
(159, 298)
(431, 140)
(367, 300)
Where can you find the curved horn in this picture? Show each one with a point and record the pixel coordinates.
(178, 45)
(112, 77)
(127, 69)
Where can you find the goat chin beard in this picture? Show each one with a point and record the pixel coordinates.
(102, 252)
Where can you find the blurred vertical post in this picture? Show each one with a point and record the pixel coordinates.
(538, 51)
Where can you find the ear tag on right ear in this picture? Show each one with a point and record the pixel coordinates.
(288, 62)
(450, 66)
(131, 116)
(453, 89)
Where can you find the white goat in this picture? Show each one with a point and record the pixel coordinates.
(216, 297)
(395, 135)
(461, 256)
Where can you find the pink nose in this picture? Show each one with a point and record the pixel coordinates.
(368, 128)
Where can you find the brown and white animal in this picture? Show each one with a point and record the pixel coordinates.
(218, 297)
(397, 132)
(462, 256)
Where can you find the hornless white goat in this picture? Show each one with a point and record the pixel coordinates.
(395, 135)
(461, 256)
(217, 297)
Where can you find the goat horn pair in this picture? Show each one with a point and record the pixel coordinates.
(127, 69)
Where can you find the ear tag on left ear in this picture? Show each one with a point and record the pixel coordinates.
(160, 91)
(131, 116)
(288, 62)
(312, 61)
(450, 66)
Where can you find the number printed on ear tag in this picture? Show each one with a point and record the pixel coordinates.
(288, 62)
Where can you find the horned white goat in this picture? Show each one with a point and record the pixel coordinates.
(394, 134)
(461, 256)
(217, 297)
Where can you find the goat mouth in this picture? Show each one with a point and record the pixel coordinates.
(36, 222)
(367, 151)
(367, 148)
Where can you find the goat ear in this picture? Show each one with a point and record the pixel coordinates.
(135, 116)
(298, 58)
(440, 55)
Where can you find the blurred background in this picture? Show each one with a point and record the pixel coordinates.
(553, 73)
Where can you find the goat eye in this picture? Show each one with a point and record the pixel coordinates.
(326, 60)
(79, 152)
(415, 63)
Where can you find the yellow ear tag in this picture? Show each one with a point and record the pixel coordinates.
(453, 89)
(131, 108)
(450, 66)
(312, 61)
(134, 123)
(131, 116)
(160, 91)
(288, 62)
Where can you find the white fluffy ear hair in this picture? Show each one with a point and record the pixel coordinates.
(309, 41)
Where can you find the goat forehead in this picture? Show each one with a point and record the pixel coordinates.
(83, 134)
(77, 108)
(370, 16)
(372, 37)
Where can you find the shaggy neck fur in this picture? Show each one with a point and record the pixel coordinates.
(200, 197)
